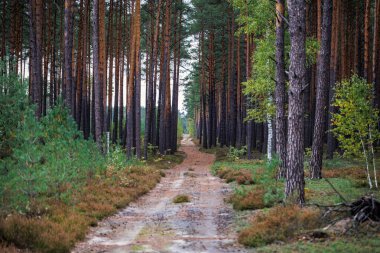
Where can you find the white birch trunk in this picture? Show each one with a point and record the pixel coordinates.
(366, 162)
(270, 134)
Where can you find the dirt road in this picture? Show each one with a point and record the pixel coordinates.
(155, 224)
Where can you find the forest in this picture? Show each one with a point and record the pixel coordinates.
(189, 125)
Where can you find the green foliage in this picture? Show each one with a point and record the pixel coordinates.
(236, 153)
(312, 49)
(191, 127)
(13, 104)
(50, 159)
(347, 245)
(260, 87)
(255, 17)
(355, 122)
(179, 127)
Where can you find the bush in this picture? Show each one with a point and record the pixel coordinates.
(248, 199)
(279, 224)
(243, 176)
(13, 106)
(235, 153)
(50, 159)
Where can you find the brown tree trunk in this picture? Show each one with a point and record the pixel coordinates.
(36, 10)
(165, 84)
(376, 54)
(137, 30)
(322, 92)
(131, 81)
(150, 90)
(117, 74)
(331, 142)
(280, 91)
(102, 62)
(97, 81)
(295, 182)
(367, 62)
(177, 62)
(68, 75)
(110, 43)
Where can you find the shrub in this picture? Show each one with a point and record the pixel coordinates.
(13, 106)
(37, 234)
(50, 159)
(235, 153)
(243, 176)
(279, 223)
(251, 200)
(355, 122)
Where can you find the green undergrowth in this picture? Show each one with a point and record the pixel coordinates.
(346, 245)
(274, 227)
(262, 189)
(54, 184)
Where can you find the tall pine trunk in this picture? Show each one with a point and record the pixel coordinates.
(97, 82)
(280, 91)
(68, 76)
(295, 182)
(322, 92)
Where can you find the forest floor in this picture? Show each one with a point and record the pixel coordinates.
(154, 223)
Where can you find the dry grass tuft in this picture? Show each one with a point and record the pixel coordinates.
(10, 249)
(61, 225)
(349, 173)
(181, 199)
(242, 176)
(279, 224)
(251, 201)
(40, 235)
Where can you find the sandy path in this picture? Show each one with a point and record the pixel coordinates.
(155, 224)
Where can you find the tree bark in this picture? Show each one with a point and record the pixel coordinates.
(97, 82)
(280, 90)
(331, 141)
(68, 75)
(295, 182)
(322, 92)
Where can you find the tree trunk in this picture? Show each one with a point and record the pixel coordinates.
(137, 31)
(280, 90)
(367, 62)
(331, 142)
(35, 9)
(322, 92)
(295, 182)
(102, 63)
(131, 81)
(68, 75)
(110, 44)
(376, 55)
(97, 82)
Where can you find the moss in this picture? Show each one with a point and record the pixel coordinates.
(181, 199)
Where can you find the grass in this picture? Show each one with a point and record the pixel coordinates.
(272, 222)
(181, 199)
(347, 245)
(167, 161)
(54, 226)
(278, 224)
